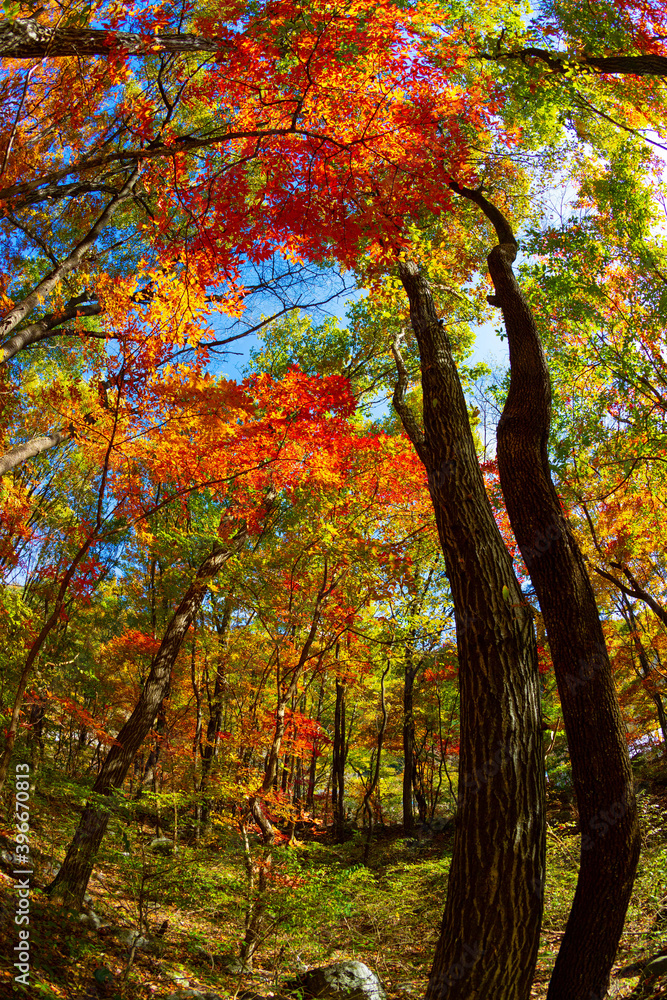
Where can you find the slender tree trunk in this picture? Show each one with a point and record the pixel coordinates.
(418, 782)
(257, 869)
(36, 731)
(338, 765)
(38, 645)
(408, 744)
(71, 881)
(596, 735)
(312, 767)
(644, 671)
(196, 740)
(214, 726)
(148, 777)
(490, 929)
(374, 776)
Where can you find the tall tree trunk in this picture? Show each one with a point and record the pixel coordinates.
(338, 765)
(71, 881)
(596, 735)
(312, 767)
(215, 708)
(490, 929)
(410, 672)
(374, 775)
(644, 672)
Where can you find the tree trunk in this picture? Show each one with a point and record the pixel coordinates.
(644, 672)
(595, 730)
(338, 766)
(38, 644)
(71, 881)
(374, 775)
(408, 744)
(648, 64)
(215, 709)
(26, 38)
(491, 924)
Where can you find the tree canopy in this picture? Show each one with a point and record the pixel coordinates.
(251, 600)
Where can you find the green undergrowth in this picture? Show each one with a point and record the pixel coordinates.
(322, 905)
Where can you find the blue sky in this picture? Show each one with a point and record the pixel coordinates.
(489, 347)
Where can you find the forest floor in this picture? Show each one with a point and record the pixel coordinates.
(323, 906)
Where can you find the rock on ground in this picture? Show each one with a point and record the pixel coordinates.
(341, 981)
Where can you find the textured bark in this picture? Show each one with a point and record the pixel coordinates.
(491, 924)
(25, 38)
(622, 65)
(50, 326)
(595, 731)
(71, 881)
(338, 765)
(21, 453)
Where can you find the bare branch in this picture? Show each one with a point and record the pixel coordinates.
(48, 283)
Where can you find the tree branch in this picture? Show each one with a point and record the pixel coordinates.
(501, 225)
(25, 38)
(407, 417)
(49, 282)
(634, 590)
(48, 326)
(623, 65)
(37, 446)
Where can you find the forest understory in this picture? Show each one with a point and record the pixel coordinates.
(288, 558)
(323, 905)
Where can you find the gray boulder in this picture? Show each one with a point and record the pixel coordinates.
(132, 939)
(162, 845)
(233, 965)
(340, 981)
